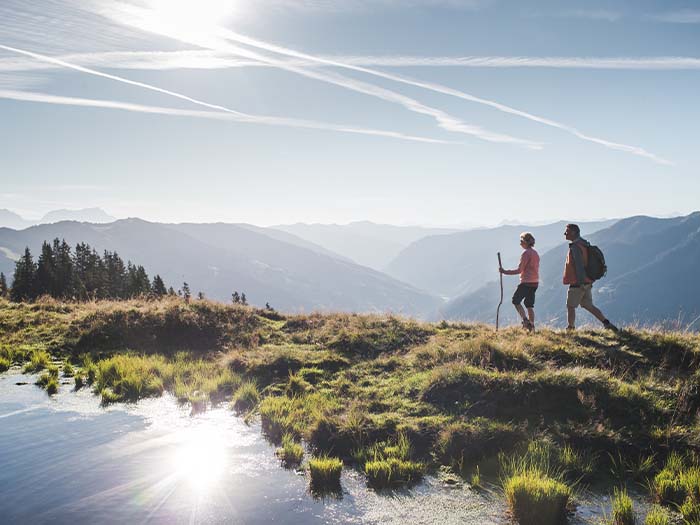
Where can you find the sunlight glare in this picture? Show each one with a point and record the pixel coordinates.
(189, 14)
(200, 459)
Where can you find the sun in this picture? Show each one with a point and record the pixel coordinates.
(192, 14)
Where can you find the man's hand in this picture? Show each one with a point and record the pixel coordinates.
(501, 270)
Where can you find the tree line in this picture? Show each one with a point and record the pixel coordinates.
(82, 274)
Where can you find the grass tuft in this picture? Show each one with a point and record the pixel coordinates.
(391, 471)
(622, 508)
(291, 453)
(325, 473)
(657, 516)
(246, 397)
(536, 499)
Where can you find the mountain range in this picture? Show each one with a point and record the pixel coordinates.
(217, 259)
(450, 275)
(10, 219)
(651, 263)
(366, 243)
(457, 263)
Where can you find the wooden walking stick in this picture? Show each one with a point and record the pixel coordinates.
(498, 310)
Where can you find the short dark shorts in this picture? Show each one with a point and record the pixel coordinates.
(527, 292)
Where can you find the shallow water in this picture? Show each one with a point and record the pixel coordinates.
(65, 459)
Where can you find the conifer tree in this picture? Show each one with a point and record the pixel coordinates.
(200, 296)
(171, 292)
(186, 292)
(45, 277)
(4, 291)
(235, 298)
(23, 282)
(158, 287)
(64, 275)
(244, 300)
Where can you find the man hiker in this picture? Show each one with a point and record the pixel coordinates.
(529, 271)
(580, 285)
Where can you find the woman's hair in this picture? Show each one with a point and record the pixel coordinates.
(528, 238)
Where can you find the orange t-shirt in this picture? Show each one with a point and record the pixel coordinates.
(570, 266)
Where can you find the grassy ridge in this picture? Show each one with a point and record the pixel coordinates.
(355, 385)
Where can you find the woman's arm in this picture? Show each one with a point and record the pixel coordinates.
(519, 269)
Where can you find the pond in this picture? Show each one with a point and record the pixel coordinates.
(66, 459)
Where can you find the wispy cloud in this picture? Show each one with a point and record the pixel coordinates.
(682, 16)
(218, 39)
(635, 150)
(592, 14)
(207, 59)
(363, 5)
(28, 96)
(228, 113)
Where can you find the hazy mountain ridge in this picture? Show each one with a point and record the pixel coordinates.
(10, 219)
(651, 264)
(367, 243)
(220, 258)
(457, 263)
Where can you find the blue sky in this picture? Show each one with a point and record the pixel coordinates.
(406, 112)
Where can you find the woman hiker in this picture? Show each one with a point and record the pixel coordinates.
(529, 271)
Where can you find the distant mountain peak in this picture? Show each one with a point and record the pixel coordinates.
(10, 219)
(95, 215)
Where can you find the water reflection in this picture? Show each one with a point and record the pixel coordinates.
(200, 459)
(67, 460)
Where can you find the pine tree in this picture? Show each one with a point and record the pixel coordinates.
(115, 276)
(186, 292)
(200, 296)
(244, 301)
(158, 287)
(268, 307)
(4, 291)
(45, 280)
(235, 298)
(64, 274)
(171, 292)
(23, 282)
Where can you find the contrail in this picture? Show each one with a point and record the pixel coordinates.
(140, 19)
(635, 150)
(207, 59)
(235, 115)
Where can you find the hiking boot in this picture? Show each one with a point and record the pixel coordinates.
(609, 326)
(570, 329)
(527, 325)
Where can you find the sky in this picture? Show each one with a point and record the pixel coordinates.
(435, 112)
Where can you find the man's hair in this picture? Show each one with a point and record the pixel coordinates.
(528, 238)
(574, 228)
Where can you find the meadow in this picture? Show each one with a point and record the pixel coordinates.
(538, 416)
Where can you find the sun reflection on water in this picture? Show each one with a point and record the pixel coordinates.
(200, 459)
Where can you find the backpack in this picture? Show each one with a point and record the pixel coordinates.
(596, 268)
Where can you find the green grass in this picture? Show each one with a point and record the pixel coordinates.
(392, 471)
(5, 364)
(38, 360)
(325, 472)
(668, 487)
(622, 508)
(246, 397)
(68, 370)
(353, 385)
(475, 479)
(690, 510)
(291, 453)
(49, 380)
(657, 516)
(534, 498)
